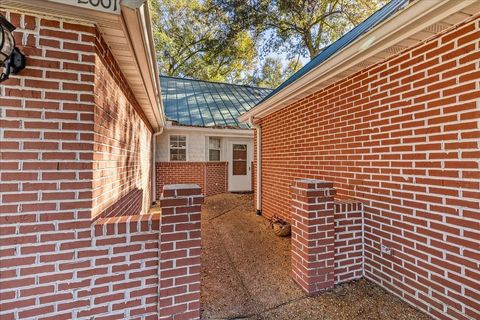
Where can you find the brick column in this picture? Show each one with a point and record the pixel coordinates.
(313, 234)
(180, 247)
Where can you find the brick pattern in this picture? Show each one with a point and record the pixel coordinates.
(327, 236)
(212, 177)
(180, 252)
(122, 155)
(313, 235)
(55, 262)
(124, 282)
(348, 217)
(216, 178)
(47, 122)
(402, 138)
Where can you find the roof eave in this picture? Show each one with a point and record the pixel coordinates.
(413, 19)
(224, 132)
(128, 33)
(139, 30)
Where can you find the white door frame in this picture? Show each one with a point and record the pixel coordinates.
(240, 183)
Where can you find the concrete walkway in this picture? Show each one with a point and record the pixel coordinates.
(246, 274)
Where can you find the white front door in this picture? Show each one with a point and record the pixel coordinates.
(240, 166)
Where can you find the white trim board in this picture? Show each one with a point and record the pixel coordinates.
(214, 132)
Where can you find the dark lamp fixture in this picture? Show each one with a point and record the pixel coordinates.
(11, 58)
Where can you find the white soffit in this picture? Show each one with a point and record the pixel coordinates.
(427, 24)
(127, 32)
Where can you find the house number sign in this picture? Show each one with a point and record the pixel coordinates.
(110, 6)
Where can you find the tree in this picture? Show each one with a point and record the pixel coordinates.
(293, 65)
(223, 40)
(272, 72)
(196, 39)
(299, 27)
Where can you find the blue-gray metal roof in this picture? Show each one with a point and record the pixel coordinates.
(376, 18)
(207, 104)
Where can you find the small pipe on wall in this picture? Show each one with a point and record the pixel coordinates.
(154, 166)
(259, 165)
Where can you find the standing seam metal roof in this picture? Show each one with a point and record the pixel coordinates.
(193, 102)
(376, 18)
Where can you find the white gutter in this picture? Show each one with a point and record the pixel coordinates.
(221, 132)
(414, 18)
(154, 165)
(136, 20)
(259, 165)
(136, 17)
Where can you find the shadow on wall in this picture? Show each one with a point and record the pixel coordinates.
(122, 143)
(130, 204)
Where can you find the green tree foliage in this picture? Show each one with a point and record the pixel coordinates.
(272, 72)
(299, 26)
(223, 40)
(197, 39)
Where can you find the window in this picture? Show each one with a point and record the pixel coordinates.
(239, 160)
(214, 149)
(178, 148)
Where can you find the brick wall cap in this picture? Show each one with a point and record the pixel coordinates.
(312, 183)
(183, 163)
(180, 186)
(180, 190)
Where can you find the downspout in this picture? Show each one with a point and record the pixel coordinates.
(154, 164)
(259, 165)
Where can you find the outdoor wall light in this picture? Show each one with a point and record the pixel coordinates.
(11, 58)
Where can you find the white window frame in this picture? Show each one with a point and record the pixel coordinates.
(170, 148)
(219, 148)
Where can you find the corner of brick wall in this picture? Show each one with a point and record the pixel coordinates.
(180, 248)
(313, 234)
(55, 261)
(327, 236)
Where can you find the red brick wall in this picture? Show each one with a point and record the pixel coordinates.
(210, 176)
(60, 146)
(348, 229)
(402, 138)
(122, 157)
(216, 178)
(180, 238)
(313, 235)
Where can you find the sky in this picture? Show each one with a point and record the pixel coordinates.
(278, 54)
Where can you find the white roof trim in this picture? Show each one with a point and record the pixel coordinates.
(128, 33)
(402, 29)
(245, 133)
(138, 27)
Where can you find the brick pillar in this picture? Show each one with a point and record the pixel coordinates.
(180, 247)
(313, 235)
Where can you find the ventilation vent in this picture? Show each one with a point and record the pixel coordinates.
(436, 27)
(364, 64)
(394, 49)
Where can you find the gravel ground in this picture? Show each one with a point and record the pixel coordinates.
(246, 274)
